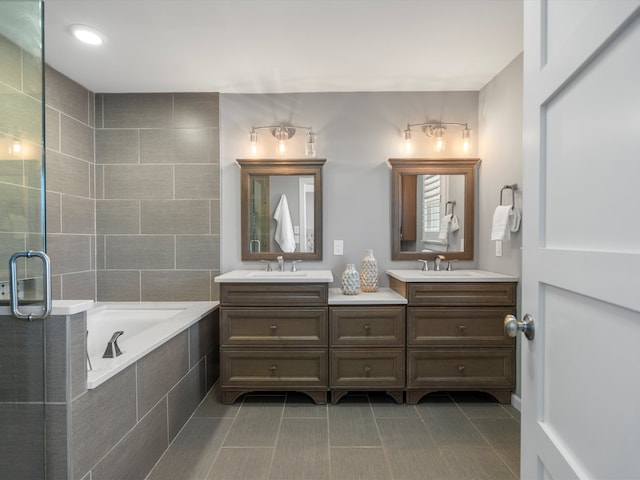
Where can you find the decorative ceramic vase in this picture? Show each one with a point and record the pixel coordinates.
(350, 280)
(369, 272)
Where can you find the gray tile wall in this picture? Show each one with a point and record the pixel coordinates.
(157, 196)
(133, 193)
(122, 428)
(70, 198)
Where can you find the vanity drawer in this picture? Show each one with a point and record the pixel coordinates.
(274, 326)
(274, 369)
(478, 326)
(471, 367)
(353, 369)
(375, 326)
(461, 294)
(272, 294)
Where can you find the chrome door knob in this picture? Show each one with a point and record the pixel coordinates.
(526, 326)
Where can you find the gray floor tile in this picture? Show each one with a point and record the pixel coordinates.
(476, 464)
(359, 464)
(300, 463)
(448, 424)
(504, 437)
(479, 405)
(417, 463)
(299, 405)
(192, 453)
(351, 424)
(257, 422)
(211, 406)
(385, 406)
(241, 464)
(303, 432)
(405, 433)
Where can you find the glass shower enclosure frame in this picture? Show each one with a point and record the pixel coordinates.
(25, 419)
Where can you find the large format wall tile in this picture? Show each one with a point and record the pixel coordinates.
(78, 215)
(68, 175)
(22, 440)
(138, 182)
(117, 146)
(117, 216)
(67, 96)
(138, 451)
(160, 370)
(76, 138)
(10, 59)
(174, 217)
(137, 110)
(198, 181)
(100, 418)
(69, 253)
(185, 397)
(139, 252)
(176, 285)
(193, 110)
(118, 285)
(188, 145)
(198, 252)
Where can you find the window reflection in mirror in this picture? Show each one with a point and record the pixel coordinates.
(432, 208)
(281, 208)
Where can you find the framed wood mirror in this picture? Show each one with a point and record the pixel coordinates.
(432, 208)
(281, 208)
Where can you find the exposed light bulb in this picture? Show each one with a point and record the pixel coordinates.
(253, 141)
(310, 147)
(438, 145)
(407, 141)
(282, 147)
(16, 147)
(466, 140)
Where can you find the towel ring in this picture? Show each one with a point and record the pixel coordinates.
(513, 189)
(446, 207)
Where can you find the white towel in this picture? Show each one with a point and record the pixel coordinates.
(284, 228)
(445, 225)
(455, 225)
(500, 227)
(514, 220)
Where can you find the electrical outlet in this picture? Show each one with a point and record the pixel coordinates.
(338, 247)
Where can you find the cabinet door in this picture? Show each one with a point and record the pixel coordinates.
(373, 326)
(274, 326)
(460, 367)
(381, 368)
(273, 368)
(461, 294)
(480, 326)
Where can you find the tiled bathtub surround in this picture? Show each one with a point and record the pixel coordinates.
(157, 196)
(133, 193)
(121, 428)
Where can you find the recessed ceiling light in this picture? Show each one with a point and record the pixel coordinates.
(86, 34)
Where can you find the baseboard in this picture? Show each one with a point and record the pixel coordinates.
(516, 402)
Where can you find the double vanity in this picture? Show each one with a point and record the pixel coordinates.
(430, 331)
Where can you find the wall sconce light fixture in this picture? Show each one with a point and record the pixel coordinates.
(283, 133)
(437, 130)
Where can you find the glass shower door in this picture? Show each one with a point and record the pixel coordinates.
(23, 394)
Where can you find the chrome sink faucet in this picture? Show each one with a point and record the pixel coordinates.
(280, 259)
(438, 259)
(293, 265)
(425, 265)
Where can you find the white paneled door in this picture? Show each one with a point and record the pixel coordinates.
(581, 244)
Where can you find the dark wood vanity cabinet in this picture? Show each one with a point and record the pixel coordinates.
(366, 349)
(456, 339)
(273, 337)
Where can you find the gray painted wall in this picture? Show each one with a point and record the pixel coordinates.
(500, 148)
(357, 134)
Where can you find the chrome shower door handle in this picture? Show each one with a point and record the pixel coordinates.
(46, 285)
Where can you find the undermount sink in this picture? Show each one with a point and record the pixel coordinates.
(449, 276)
(446, 273)
(265, 274)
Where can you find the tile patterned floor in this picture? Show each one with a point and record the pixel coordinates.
(365, 436)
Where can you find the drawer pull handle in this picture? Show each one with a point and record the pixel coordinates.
(462, 328)
(367, 327)
(460, 368)
(273, 368)
(273, 327)
(367, 369)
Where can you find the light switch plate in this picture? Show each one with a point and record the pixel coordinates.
(338, 247)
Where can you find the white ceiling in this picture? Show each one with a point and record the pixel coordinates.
(274, 46)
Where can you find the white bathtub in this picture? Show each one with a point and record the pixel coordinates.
(146, 326)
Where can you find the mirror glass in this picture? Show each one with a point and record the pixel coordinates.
(281, 208)
(432, 208)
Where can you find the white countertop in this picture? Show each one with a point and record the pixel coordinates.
(262, 276)
(59, 307)
(384, 296)
(450, 276)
